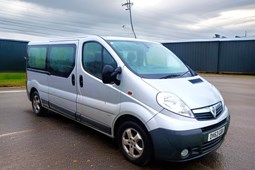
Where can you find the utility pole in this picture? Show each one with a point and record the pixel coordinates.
(128, 4)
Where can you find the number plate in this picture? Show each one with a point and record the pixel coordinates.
(216, 134)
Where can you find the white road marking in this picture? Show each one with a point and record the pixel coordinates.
(13, 91)
(16, 133)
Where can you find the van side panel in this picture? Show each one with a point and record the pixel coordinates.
(62, 95)
(62, 78)
(51, 70)
(38, 81)
(37, 73)
(97, 103)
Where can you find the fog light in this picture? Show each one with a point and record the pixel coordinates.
(185, 153)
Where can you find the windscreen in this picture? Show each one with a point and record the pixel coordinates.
(149, 60)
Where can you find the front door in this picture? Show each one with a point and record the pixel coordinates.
(98, 103)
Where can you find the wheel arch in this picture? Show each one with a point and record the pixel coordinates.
(130, 118)
(33, 89)
(125, 118)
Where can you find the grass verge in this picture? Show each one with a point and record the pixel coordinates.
(12, 79)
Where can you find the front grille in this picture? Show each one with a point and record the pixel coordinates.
(209, 112)
(207, 146)
(215, 126)
(211, 144)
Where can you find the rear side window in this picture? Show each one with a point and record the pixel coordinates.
(61, 59)
(37, 57)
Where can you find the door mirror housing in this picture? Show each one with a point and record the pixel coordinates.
(109, 75)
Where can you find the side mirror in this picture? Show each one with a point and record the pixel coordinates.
(109, 75)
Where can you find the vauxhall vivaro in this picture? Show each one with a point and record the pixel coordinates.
(137, 92)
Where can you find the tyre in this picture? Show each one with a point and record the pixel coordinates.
(134, 143)
(36, 104)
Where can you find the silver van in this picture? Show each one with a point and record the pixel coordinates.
(137, 92)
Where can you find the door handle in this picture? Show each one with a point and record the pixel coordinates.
(73, 80)
(81, 80)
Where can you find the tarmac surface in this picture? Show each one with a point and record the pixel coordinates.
(55, 142)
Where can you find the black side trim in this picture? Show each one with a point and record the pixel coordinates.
(45, 103)
(96, 125)
(81, 119)
(38, 71)
(62, 111)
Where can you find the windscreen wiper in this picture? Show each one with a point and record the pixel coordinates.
(174, 75)
(184, 73)
(170, 76)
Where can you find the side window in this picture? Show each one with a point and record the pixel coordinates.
(95, 56)
(108, 60)
(61, 59)
(37, 57)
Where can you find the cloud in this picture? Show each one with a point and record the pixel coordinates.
(233, 22)
(31, 18)
(153, 19)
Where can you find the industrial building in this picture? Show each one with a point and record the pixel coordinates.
(217, 55)
(12, 53)
(212, 56)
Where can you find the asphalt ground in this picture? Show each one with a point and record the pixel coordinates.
(55, 142)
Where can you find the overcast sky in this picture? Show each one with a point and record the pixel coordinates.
(160, 20)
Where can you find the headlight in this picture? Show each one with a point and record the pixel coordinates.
(174, 104)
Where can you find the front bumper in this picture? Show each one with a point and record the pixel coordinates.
(169, 144)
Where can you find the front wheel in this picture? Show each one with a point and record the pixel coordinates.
(134, 143)
(36, 104)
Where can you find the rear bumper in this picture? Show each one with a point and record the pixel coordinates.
(168, 144)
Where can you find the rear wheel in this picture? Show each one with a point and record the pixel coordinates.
(36, 104)
(134, 143)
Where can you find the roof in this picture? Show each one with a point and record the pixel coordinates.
(93, 37)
